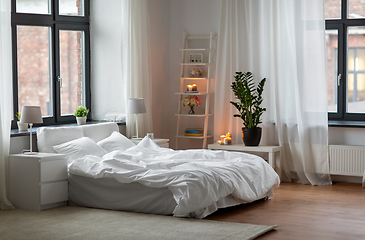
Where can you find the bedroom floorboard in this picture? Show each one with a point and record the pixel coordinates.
(305, 212)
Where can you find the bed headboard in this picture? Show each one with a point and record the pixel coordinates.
(47, 137)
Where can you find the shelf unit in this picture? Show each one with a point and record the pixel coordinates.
(184, 51)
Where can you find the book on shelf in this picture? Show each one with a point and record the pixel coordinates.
(193, 134)
(194, 130)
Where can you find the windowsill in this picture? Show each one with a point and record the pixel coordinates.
(349, 124)
(17, 133)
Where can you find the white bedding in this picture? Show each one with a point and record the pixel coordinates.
(196, 178)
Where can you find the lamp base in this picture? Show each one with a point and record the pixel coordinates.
(30, 153)
(136, 138)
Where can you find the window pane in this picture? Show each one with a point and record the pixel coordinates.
(71, 7)
(331, 45)
(34, 81)
(356, 9)
(351, 60)
(33, 6)
(356, 70)
(332, 9)
(72, 70)
(360, 59)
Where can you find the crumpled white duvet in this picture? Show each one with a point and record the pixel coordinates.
(196, 178)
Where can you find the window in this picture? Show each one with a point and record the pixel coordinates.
(51, 45)
(345, 40)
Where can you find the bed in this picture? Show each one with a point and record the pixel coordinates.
(107, 170)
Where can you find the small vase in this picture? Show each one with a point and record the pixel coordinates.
(191, 111)
(81, 120)
(22, 126)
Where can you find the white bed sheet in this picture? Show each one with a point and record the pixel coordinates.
(197, 179)
(108, 193)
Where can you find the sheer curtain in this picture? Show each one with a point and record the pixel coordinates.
(282, 40)
(5, 96)
(120, 60)
(136, 61)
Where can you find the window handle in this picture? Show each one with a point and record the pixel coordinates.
(339, 79)
(59, 79)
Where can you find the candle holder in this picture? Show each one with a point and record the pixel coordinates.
(191, 88)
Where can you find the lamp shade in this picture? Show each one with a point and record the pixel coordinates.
(31, 114)
(136, 106)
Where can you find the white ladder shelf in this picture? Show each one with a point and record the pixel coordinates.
(179, 132)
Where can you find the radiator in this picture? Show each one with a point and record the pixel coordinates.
(347, 160)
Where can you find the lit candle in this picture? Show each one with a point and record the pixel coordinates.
(228, 135)
(225, 141)
(222, 138)
(229, 140)
(195, 87)
(189, 88)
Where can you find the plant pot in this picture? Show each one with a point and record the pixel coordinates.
(22, 126)
(251, 136)
(81, 120)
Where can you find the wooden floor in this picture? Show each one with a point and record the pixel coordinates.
(306, 212)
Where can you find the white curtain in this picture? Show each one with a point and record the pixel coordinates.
(136, 61)
(5, 97)
(120, 59)
(283, 41)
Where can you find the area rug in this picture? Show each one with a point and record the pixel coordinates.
(87, 223)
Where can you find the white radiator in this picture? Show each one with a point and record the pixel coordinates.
(347, 160)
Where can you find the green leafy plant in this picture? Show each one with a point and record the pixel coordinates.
(18, 115)
(249, 99)
(81, 111)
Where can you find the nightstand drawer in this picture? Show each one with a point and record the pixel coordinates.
(53, 170)
(54, 192)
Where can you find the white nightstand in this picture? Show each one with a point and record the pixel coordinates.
(37, 182)
(159, 141)
(271, 150)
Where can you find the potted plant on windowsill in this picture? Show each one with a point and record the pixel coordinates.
(249, 106)
(81, 113)
(21, 126)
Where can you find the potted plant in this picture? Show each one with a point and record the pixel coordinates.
(21, 126)
(80, 113)
(249, 106)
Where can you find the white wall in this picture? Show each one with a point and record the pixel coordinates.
(192, 17)
(346, 136)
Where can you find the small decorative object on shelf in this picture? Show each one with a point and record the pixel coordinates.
(225, 139)
(191, 88)
(21, 126)
(196, 57)
(196, 72)
(191, 101)
(150, 135)
(80, 113)
(194, 132)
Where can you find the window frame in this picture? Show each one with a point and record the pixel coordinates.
(341, 25)
(56, 23)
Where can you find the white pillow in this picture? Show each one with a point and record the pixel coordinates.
(147, 142)
(47, 137)
(79, 148)
(116, 141)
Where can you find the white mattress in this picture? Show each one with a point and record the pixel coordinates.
(108, 193)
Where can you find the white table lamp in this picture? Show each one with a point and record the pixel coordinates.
(31, 114)
(136, 106)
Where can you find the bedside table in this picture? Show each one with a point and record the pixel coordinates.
(271, 150)
(37, 182)
(159, 141)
